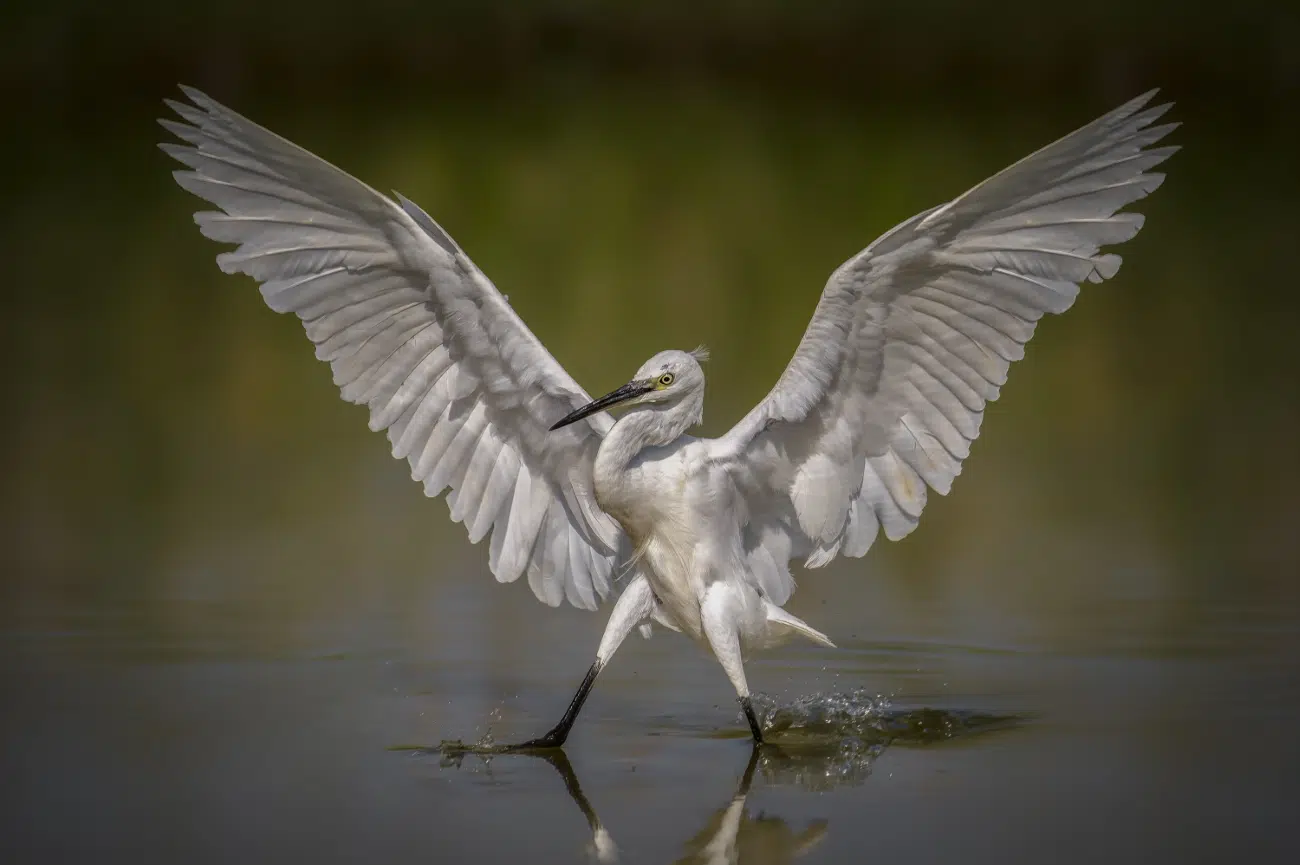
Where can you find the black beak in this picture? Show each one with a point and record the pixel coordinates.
(631, 390)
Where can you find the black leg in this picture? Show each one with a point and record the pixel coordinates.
(748, 706)
(560, 732)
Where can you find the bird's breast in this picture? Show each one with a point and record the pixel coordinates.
(641, 494)
(654, 500)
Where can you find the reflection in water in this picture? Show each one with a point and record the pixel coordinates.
(732, 835)
(602, 844)
(818, 743)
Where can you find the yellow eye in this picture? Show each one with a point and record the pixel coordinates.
(665, 379)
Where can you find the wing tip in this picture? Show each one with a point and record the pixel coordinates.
(198, 97)
(174, 150)
(1137, 103)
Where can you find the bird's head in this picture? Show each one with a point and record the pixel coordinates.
(668, 379)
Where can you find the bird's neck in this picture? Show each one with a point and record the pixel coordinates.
(644, 426)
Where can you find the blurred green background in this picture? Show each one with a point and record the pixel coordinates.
(178, 479)
(637, 176)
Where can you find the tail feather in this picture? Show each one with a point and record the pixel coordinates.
(783, 621)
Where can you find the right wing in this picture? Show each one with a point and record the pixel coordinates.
(916, 333)
(415, 331)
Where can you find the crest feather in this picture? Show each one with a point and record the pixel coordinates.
(700, 353)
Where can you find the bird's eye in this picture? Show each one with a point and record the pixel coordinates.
(666, 379)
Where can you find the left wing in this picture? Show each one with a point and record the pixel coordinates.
(414, 330)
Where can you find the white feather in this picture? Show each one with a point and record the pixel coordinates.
(914, 335)
(413, 329)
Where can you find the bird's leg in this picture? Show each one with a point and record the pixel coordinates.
(634, 606)
(557, 735)
(718, 615)
(748, 705)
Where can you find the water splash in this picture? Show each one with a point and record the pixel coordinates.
(820, 712)
(453, 751)
(816, 742)
(831, 740)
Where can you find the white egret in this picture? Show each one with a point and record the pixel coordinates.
(882, 399)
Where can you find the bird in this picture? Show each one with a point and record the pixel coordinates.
(910, 339)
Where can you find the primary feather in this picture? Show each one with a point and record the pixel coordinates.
(915, 334)
(413, 330)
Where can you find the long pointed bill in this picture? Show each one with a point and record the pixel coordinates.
(629, 391)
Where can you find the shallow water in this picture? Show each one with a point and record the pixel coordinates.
(232, 630)
(124, 748)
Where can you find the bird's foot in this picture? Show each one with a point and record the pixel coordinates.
(553, 739)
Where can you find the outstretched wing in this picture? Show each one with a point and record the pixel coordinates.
(416, 332)
(915, 334)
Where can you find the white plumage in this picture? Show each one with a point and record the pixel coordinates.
(416, 332)
(881, 401)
